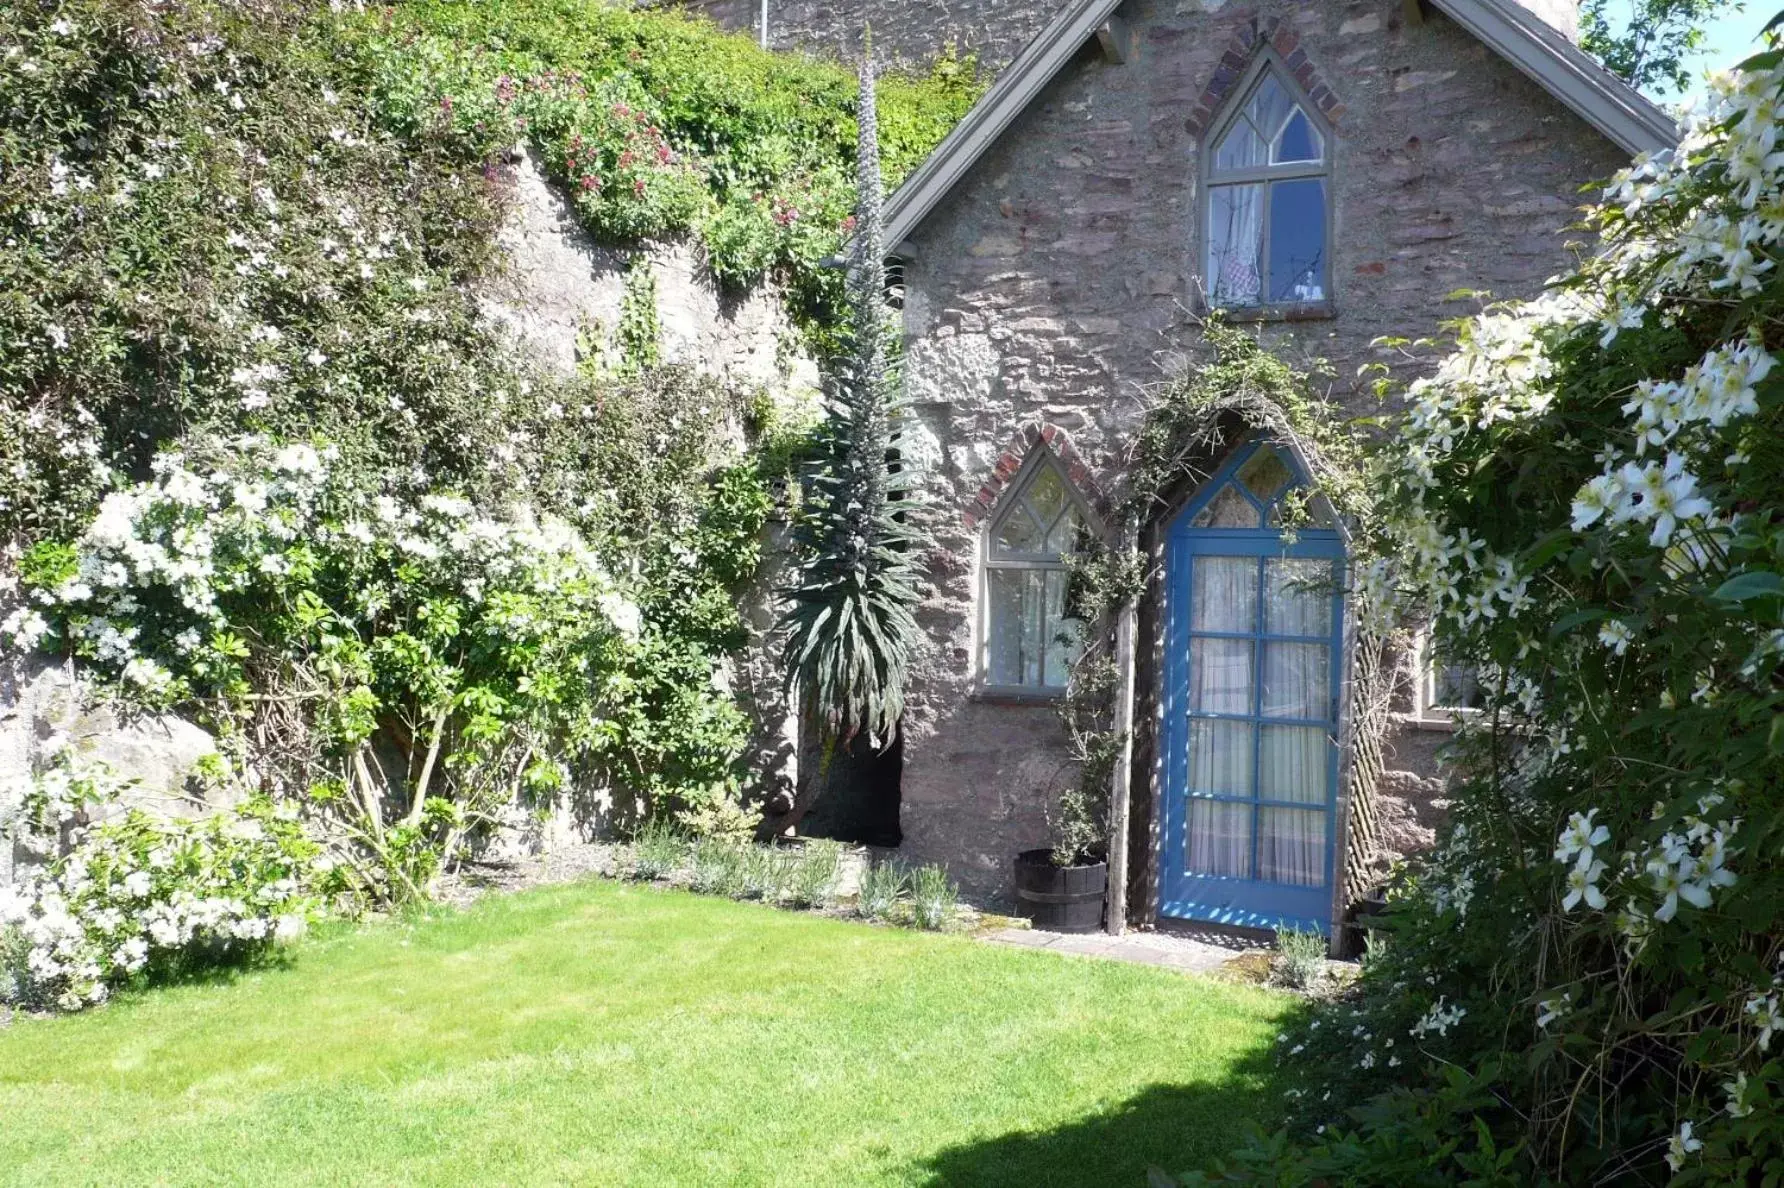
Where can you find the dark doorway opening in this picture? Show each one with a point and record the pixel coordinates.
(861, 792)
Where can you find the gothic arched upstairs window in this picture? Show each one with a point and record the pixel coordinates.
(1029, 640)
(1268, 200)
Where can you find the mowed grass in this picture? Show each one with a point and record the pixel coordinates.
(607, 1034)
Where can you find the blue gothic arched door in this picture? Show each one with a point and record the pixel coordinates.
(1254, 659)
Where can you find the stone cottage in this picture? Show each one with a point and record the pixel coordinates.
(1330, 170)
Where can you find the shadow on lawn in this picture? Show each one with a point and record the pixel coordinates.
(1175, 1128)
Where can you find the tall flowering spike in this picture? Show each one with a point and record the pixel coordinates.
(851, 630)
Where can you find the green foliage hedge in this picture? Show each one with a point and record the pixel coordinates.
(1584, 983)
(659, 125)
(231, 231)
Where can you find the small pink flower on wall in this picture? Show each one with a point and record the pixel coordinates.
(1031, 435)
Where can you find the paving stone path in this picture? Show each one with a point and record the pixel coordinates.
(1192, 953)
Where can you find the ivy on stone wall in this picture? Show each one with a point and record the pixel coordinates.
(660, 125)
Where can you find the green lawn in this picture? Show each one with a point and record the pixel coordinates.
(610, 1034)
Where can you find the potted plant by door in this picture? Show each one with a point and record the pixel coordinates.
(1062, 888)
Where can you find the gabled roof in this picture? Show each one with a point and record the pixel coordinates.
(1523, 39)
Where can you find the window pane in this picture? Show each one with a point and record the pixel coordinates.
(1220, 676)
(1298, 142)
(1235, 239)
(1224, 597)
(1298, 240)
(1017, 532)
(1045, 494)
(1013, 635)
(1270, 107)
(1294, 764)
(1298, 596)
(1264, 474)
(1229, 509)
(1456, 686)
(1064, 537)
(1060, 633)
(1240, 148)
(1291, 847)
(1296, 681)
(1220, 755)
(1219, 841)
(1312, 513)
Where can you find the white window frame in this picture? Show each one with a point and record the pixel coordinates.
(1212, 178)
(1427, 713)
(1013, 492)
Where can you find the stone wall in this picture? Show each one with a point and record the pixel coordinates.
(1060, 280)
(559, 288)
(560, 293)
(913, 32)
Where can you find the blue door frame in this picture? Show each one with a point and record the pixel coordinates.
(1245, 902)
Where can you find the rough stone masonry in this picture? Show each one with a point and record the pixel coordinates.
(1061, 279)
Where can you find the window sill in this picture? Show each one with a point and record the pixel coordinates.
(1443, 721)
(1306, 311)
(1032, 698)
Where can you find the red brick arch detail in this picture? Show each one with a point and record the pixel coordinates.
(1245, 45)
(1035, 434)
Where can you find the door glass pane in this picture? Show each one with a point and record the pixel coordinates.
(1291, 846)
(1294, 764)
(1229, 509)
(1014, 635)
(1264, 474)
(1225, 594)
(1061, 638)
(1298, 597)
(1220, 676)
(1220, 755)
(1297, 680)
(1298, 240)
(1219, 841)
(1235, 243)
(1018, 532)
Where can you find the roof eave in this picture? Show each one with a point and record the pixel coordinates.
(1619, 112)
(1561, 68)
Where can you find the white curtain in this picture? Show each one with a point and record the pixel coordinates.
(1235, 240)
(1225, 595)
(1291, 846)
(1219, 839)
(1293, 765)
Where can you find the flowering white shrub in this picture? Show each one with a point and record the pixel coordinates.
(137, 894)
(1586, 499)
(261, 582)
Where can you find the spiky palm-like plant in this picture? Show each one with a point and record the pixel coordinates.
(850, 625)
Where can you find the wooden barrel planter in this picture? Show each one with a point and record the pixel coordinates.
(1060, 898)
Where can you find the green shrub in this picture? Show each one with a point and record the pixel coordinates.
(933, 897)
(883, 885)
(1300, 959)
(813, 872)
(659, 125)
(764, 874)
(1582, 983)
(715, 866)
(658, 850)
(139, 896)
